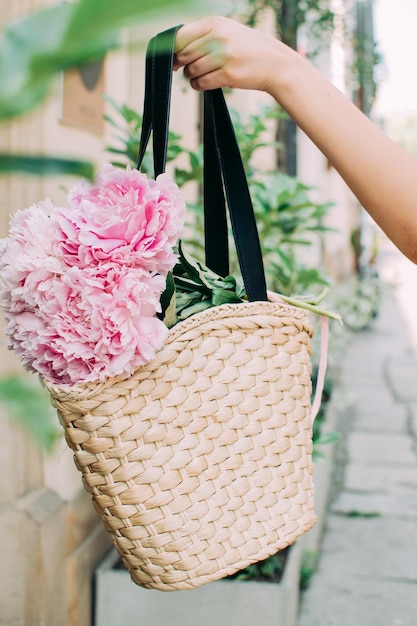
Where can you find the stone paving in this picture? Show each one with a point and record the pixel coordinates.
(367, 573)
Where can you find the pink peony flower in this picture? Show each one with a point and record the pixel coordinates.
(90, 324)
(81, 287)
(125, 218)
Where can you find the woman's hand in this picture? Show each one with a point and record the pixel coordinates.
(219, 52)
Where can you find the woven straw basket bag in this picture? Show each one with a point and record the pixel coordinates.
(200, 463)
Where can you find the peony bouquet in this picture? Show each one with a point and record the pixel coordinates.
(89, 291)
(81, 286)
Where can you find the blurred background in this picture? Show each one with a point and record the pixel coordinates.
(57, 61)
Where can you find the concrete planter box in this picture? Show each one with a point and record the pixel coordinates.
(222, 603)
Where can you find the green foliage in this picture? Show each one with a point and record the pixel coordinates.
(193, 288)
(308, 566)
(251, 131)
(37, 46)
(366, 59)
(287, 217)
(268, 570)
(42, 165)
(27, 404)
(323, 440)
(128, 136)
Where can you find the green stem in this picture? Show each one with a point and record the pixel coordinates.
(311, 307)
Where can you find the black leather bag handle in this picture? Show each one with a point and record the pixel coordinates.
(223, 168)
(157, 101)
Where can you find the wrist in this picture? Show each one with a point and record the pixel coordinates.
(285, 71)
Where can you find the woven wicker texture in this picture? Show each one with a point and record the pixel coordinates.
(200, 462)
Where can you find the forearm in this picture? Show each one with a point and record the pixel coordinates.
(217, 52)
(380, 173)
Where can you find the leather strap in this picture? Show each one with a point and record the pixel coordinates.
(241, 212)
(223, 168)
(157, 101)
(216, 243)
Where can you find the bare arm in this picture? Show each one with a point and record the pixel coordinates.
(218, 52)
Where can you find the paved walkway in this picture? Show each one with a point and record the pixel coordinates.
(367, 574)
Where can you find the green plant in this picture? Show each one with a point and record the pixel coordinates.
(192, 288)
(287, 217)
(253, 133)
(358, 299)
(37, 46)
(28, 405)
(268, 570)
(366, 57)
(308, 567)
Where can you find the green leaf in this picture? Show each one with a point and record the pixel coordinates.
(168, 303)
(36, 46)
(310, 276)
(318, 455)
(198, 307)
(224, 296)
(186, 299)
(327, 438)
(42, 165)
(23, 84)
(28, 404)
(185, 284)
(285, 259)
(192, 268)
